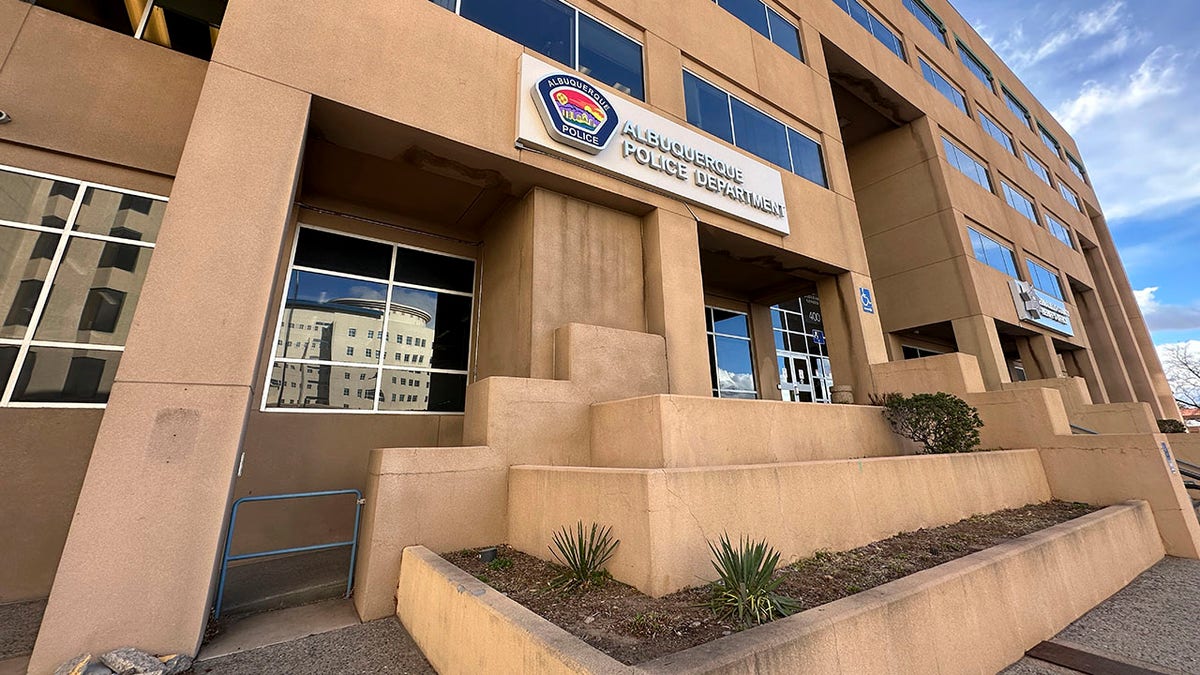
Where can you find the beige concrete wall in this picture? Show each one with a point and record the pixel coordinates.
(1109, 469)
(675, 299)
(609, 364)
(45, 455)
(170, 439)
(664, 517)
(678, 432)
(1186, 447)
(464, 626)
(86, 91)
(994, 604)
(445, 499)
(1107, 418)
(1020, 419)
(954, 373)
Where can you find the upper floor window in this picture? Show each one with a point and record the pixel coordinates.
(927, 18)
(1022, 204)
(769, 23)
(997, 132)
(68, 308)
(1050, 141)
(1069, 195)
(874, 25)
(381, 289)
(944, 87)
(1044, 279)
(563, 33)
(730, 118)
(1016, 107)
(188, 26)
(973, 64)
(1059, 230)
(1076, 167)
(1036, 167)
(992, 253)
(968, 165)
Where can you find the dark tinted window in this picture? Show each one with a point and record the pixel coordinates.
(707, 107)
(545, 26)
(421, 268)
(349, 255)
(784, 34)
(760, 134)
(806, 158)
(610, 57)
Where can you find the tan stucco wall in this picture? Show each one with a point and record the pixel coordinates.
(664, 517)
(82, 90)
(45, 455)
(1186, 447)
(686, 431)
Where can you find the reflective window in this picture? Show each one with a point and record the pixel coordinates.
(735, 121)
(187, 26)
(967, 164)
(1076, 167)
(928, 19)
(1036, 167)
(769, 23)
(1059, 230)
(1016, 107)
(911, 352)
(1069, 195)
(944, 87)
(992, 253)
(873, 24)
(563, 33)
(800, 350)
(73, 257)
(995, 131)
(1050, 141)
(1020, 203)
(974, 65)
(731, 365)
(1044, 279)
(346, 297)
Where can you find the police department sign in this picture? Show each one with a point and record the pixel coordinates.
(575, 112)
(567, 116)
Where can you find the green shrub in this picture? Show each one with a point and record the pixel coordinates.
(582, 557)
(746, 590)
(500, 564)
(1171, 427)
(941, 422)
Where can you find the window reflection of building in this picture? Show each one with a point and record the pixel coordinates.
(800, 350)
(337, 349)
(73, 257)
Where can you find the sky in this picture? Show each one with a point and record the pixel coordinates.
(1123, 77)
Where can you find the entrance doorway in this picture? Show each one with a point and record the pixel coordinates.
(801, 350)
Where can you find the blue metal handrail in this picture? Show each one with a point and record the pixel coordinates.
(352, 543)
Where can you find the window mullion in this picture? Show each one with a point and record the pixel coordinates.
(43, 296)
(287, 286)
(387, 315)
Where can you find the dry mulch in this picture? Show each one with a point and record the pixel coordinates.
(634, 628)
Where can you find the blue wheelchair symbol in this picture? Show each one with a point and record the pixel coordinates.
(868, 304)
(819, 337)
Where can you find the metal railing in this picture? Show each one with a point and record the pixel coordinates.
(226, 558)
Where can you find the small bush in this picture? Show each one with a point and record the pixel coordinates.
(746, 589)
(941, 423)
(583, 557)
(500, 564)
(1171, 427)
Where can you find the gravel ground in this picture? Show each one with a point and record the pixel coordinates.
(19, 623)
(381, 646)
(1153, 619)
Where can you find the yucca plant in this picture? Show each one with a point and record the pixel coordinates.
(582, 556)
(746, 590)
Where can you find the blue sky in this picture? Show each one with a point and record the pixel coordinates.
(1122, 77)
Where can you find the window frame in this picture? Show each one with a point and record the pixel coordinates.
(926, 67)
(1010, 100)
(920, 5)
(767, 11)
(66, 234)
(947, 141)
(967, 57)
(733, 132)
(575, 28)
(1049, 140)
(715, 362)
(874, 16)
(1051, 221)
(1030, 160)
(1013, 189)
(381, 364)
(985, 119)
(1030, 264)
(1012, 253)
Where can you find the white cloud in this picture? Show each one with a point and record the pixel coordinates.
(1022, 53)
(1161, 316)
(1158, 76)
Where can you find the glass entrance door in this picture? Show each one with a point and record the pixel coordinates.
(801, 352)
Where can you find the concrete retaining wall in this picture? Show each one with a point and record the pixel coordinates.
(976, 614)
(664, 517)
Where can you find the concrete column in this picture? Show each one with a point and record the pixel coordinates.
(1033, 370)
(1104, 350)
(855, 337)
(976, 335)
(675, 298)
(1080, 363)
(1045, 356)
(139, 562)
(766, 364)
(1118, 319)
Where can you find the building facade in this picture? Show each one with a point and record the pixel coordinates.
(245, 244)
